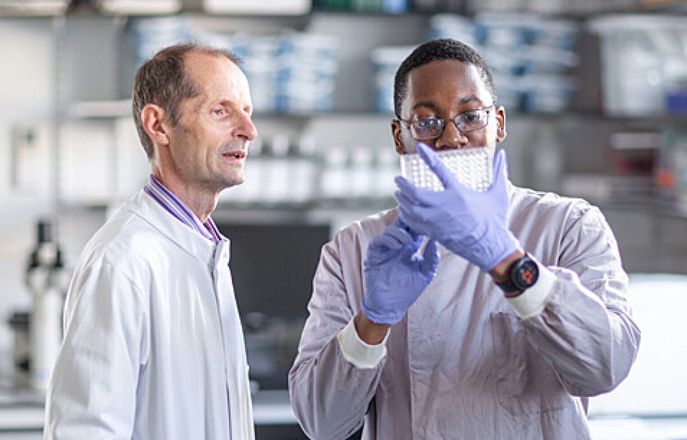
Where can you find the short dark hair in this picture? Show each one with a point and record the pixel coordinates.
(437, 50)
(162, 80)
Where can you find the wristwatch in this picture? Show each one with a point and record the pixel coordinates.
(522, 275)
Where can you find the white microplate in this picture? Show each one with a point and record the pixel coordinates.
(471, 166)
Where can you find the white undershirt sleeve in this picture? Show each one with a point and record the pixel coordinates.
(356, 351)
(533, 300)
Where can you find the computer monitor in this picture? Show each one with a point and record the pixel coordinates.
(273, 265)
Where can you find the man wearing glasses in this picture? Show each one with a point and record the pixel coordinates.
(512, 317)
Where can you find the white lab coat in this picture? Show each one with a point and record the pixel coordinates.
(153, 346)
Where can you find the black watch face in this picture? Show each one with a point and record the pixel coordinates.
(526, 274)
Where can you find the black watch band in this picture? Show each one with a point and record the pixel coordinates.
(522, 275)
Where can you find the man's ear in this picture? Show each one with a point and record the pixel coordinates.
(501, 133)
(396, 133)
(153, 118)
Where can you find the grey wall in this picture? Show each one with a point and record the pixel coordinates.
(27, 93)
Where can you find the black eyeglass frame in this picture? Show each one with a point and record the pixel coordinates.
(409, 124)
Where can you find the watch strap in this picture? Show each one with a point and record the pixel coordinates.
(508, 286)
(511, 286)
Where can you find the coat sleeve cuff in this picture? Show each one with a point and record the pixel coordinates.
(533, 300)
(356, 351)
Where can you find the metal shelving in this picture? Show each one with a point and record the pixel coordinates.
(83, 100)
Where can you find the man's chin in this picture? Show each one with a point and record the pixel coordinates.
(234, 181)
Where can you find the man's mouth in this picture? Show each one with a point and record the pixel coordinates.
(236, 154)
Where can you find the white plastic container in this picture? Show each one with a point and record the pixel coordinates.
(634, 50)
(278, 7)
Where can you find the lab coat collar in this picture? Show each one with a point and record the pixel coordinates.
(192, 242)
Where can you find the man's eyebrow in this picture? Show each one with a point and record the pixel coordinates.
(468, 99)
(432, 106)
(427, 104)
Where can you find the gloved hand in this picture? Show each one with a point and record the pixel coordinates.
(393, 280)
(469, 223)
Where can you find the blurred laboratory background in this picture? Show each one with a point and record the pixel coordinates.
(596, 94)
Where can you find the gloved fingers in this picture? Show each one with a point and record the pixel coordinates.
(401, 224)
(436, 165)
(402, 235)
(418, 196)
(418, 225)
(404, 183)
(389, 240)
(406, 187)
(407, 209)
(412, 214)
(500, 170)
(404, 200)
(378, 253)
(430, 259)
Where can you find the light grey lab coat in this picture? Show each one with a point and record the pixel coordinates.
(462, 364)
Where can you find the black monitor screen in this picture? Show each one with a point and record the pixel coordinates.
(273, 266)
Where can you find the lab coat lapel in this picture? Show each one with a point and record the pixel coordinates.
(238, 387)
(151, 212)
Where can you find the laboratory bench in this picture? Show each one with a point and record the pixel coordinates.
(21, 415)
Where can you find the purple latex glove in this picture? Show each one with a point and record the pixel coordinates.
(469, 223)
(393, 280)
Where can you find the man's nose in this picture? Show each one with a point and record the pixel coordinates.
(452, 137)
(246, 128)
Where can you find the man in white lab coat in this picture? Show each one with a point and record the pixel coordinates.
(153, 346)
(513, 315)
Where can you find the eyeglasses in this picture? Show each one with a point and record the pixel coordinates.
(432, 128)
